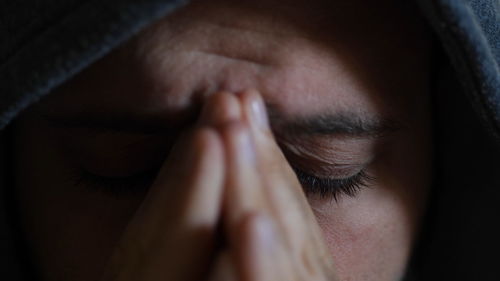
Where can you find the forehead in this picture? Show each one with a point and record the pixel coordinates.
(303, 56)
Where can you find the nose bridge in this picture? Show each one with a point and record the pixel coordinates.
(239, 75)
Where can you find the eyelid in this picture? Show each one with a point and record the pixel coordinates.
(138, 184)
(125, 186)
(334, 153)
(325, 169)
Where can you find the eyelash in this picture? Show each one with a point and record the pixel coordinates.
(326, 188)
(116, 186)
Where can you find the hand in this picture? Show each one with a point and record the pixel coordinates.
(273, 234)
(230, 162)
(171, 237)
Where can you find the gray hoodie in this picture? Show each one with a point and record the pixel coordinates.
(44, 43)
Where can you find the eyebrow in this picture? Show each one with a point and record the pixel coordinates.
(115, 122)
(339, 124)
(329, 124)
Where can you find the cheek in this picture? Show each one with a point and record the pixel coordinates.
(369, 236)
(70, 230)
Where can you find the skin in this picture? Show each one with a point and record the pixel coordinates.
(186, 77)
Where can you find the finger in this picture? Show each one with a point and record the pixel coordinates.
(269, 153)
(291, 210)
(283, 190)
(171, 236)
(218, 108)
(255, 114)
(224, 111)
(243, 190)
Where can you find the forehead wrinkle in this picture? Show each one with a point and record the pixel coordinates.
(179, 30)
(297, 92)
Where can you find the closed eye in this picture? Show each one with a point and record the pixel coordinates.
(119, 187)
(138, 184)
(333, 188)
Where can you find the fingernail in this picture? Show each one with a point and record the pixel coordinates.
(259, 112)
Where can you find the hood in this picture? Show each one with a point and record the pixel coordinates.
(45, 43)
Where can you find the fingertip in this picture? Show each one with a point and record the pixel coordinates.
(254, 109)
(219, 108)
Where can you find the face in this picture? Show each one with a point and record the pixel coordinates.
(346, 86)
